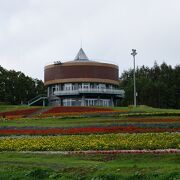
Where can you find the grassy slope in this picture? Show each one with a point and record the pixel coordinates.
(143, 108)
(43, 166)
(13, 107)
(26, 166)
(69, 122)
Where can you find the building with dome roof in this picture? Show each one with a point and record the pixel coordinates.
(82, 82)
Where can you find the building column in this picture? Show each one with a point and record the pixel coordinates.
(83, 101)
(43, 102)
(60, 102)
(112, 102)
(98, 101)
(48, 94)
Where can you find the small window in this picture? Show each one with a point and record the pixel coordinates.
(68, 87)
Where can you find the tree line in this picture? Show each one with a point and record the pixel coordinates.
(17, 88)
(158, 86)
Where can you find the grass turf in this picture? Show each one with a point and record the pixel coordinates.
(75, 122)
(143, 108)
(4, 108)
(55, 166)
(140, 108)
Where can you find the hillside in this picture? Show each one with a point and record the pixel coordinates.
(89, 143)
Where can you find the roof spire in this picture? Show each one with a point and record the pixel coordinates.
(81, 56)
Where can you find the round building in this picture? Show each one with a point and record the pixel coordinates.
(82, 82)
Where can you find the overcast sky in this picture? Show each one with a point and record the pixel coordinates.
(34, 33)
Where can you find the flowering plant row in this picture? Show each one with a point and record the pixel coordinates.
(18, 113)
(84, 130)
(68, 111)
(157, 151)
(72, 114)
(91, 142)
(14, 117)
(75, 109)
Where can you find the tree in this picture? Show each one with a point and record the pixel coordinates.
(16, 88)
(158, 86)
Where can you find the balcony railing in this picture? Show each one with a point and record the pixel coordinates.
(90, 91)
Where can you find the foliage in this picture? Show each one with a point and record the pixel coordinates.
(16, 88)
(28, 166)
(157, 86)
(37, 173)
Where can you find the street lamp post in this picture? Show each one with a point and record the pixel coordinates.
(134, 53)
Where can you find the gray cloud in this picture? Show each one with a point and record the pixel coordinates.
(36, 32)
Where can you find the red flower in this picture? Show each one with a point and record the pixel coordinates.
(86, 130)
(19, 112)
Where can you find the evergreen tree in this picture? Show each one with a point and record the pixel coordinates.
(158, 86)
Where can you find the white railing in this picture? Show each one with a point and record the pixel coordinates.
(90, 90)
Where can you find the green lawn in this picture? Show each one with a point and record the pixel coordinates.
(27, 166)
(14, 107)
(70, 122)
(56, 122)
(143, 108)
(57, 166)
(76, 121)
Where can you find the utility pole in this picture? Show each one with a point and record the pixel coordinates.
(134, 53)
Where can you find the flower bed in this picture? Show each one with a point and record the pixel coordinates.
(91, 142)
(69, 111)
(75, 109)
(157, 151)
(18, 113)
(85, 130)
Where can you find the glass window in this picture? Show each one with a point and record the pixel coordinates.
(86, 85)
(67, 102)
(68, 87)
(102, 86)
